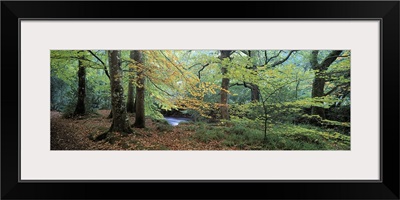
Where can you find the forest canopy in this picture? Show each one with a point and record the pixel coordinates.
(200, 99)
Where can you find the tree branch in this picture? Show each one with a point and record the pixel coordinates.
(329, 60)
(284, 59)
(236, 84)
(169, 60)
(71, 57)
(335, 88)
(338, 56)
(193, 66)
(159, 88)
(245, 52)
(278, 88)
(268, 60)
(246, 85)
(105, 66)
(202, 68)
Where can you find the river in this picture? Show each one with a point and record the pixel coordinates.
(174, 121)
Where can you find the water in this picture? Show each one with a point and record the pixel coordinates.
(174, 121)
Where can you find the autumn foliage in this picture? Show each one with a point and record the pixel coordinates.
(230, 99)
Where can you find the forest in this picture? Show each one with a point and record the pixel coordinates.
(200, 99)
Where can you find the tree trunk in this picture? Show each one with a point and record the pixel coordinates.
(130, 104)
(318, 91)
(319, 81)
(255, 93)
(140, 114)
(297, 90)
(120, 122)
(225, 86)
(80, 106)
(255, 90)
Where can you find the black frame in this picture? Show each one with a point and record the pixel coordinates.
(386, 11)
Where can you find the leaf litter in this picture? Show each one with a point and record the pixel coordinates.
(78, 134)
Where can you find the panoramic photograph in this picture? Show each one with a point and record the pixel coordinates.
(200, 100)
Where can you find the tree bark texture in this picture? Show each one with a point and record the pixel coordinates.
(255, 93)
(130, 104)
(255, 90)
(80, 105)
(225, 86)
(319, 80)
(318, 91)
(140, 89)
(120, 122)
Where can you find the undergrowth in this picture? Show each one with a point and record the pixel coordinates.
(278, 137)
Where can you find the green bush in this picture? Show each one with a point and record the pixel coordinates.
(237, 130)
(305, 137)
(207, 133)
(285, 136)
(315, 120)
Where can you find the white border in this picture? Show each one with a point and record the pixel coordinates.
(39, 163)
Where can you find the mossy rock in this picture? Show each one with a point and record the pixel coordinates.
(343, 127)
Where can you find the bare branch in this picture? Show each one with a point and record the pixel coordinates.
(246, 85)
(268, 60)
(329, 60)
(202, 68)
(284, 59)
(105, 66)
(338, 56)
(71, 57)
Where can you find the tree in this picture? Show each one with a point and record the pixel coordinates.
(80, 105)
(319, 80)
(255, 90)
(224, 85)
(172, 85)
(257, 60)
(140, 113)
(275, 81)
(130, 104)
(120, 122)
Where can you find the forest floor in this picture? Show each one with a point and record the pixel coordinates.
(78, 134)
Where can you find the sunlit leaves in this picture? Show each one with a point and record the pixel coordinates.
(191, 79)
